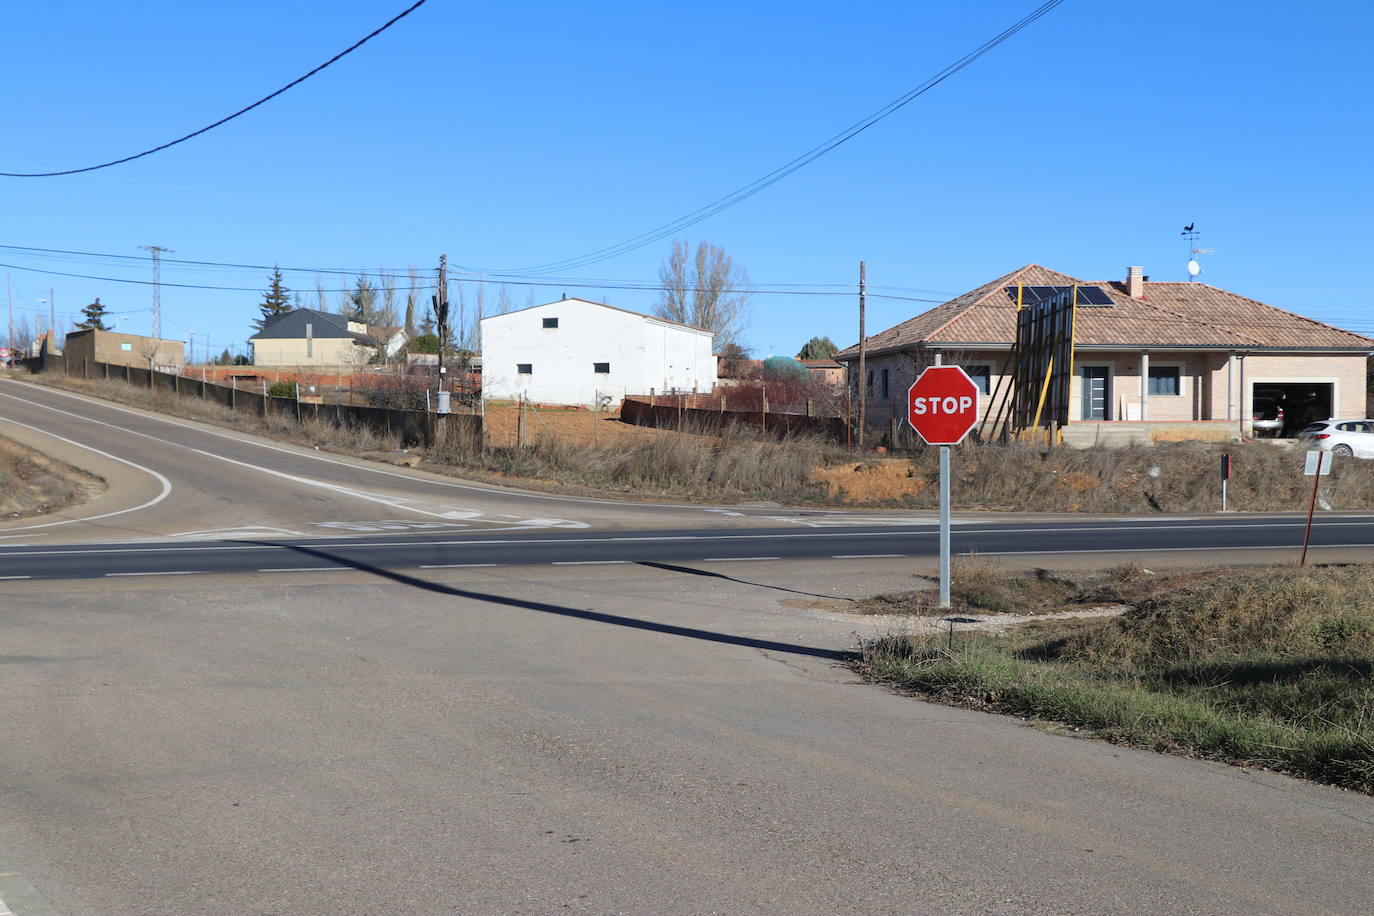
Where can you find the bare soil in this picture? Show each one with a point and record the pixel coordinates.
(574, 427)
(32, 484)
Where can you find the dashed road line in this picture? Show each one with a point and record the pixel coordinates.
(866, 556)
(304, 568)
(16, 577)
(457, 565)
(589, 562)
(169, 572)
(735, 559)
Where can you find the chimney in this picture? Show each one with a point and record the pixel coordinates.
(1135, 282)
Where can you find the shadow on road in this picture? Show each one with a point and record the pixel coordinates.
(575, 613)
(669, 567)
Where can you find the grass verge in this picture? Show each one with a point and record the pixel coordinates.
(1268, 668)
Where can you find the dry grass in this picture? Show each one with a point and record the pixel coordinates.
(1262, 667)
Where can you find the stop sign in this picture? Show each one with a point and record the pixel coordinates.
(942, 405)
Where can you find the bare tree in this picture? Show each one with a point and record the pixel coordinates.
(705, 290)
(321, 300)
(386, 315)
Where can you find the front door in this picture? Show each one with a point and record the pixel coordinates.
(1095, 394)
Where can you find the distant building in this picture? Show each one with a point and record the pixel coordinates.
(118, 349)
(825, 370)
(575, 351)
(1144, 352)
(307, 337)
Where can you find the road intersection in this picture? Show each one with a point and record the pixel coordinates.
(293, 682)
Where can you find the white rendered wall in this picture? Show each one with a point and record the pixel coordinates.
(643, 353)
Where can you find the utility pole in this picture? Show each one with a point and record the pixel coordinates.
(9, 297)
(441, 313)
(52, 316)
(157, 286)
(863, 358)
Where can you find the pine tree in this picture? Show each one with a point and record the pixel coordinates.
(275, 301)
(818, 348)
(225, 358)
(362, 301)
(95, 316)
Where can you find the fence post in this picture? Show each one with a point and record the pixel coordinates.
(651, 397)
(520, 425)
(808, 408)
(763, 415)
(892, 432)
(264, 398)
(233, 392)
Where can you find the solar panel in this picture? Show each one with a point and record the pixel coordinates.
(1087, 295)
(1093, 295)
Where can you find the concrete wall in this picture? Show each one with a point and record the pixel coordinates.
(126, 350)
(640, 353)
(319, 351)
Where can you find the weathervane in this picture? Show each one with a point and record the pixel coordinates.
(1190, 235)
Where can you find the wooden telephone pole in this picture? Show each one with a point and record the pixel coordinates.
(863, 359)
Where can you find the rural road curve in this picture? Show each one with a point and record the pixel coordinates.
(648, 736)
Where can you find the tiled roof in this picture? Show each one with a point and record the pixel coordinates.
(1169, 315)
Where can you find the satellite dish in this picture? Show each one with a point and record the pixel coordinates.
(1193, 267)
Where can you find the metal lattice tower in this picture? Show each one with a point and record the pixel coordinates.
(157, 287)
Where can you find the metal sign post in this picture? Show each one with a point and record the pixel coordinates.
(942, 406)
(1225, 476)
(1317, 462)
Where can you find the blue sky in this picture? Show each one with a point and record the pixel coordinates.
(509, 135)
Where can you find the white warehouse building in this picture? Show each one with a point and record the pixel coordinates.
(574, 351)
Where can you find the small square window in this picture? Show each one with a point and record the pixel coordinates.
(550, 322)
(601, 367)
(524, 368)
(982, 377)
(1164, 380)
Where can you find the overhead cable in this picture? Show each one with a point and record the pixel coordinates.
(242, 111)
(782, 171)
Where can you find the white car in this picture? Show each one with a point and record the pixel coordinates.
(1341, 437)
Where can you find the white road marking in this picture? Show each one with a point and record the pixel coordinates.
(16, 577)
(849, 521)
(456, 565)
(589, 562)
(303, 568)
(489, 491)
(735, 559)
(4, 910)
(230, 534)
(173, 572)
(394, 502)
(166, 484)
(865, 556)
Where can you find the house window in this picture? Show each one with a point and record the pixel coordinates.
(524, 368)
(886, 393)
(982, 377)
(603, 368)
(1164, 380)
(550, 322)
(870, 382)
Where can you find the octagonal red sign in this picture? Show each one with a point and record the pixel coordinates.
(942, 405)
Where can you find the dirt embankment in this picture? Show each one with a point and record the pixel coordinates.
(31, 483)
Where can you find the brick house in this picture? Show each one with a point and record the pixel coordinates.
(1166, 360)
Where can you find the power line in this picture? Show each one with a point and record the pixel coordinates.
(242, 111)
(471, 281)
(754, 187)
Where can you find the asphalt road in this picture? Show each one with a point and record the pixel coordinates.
(659, 724)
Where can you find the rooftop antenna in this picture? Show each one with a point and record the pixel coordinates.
(1190, 235)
